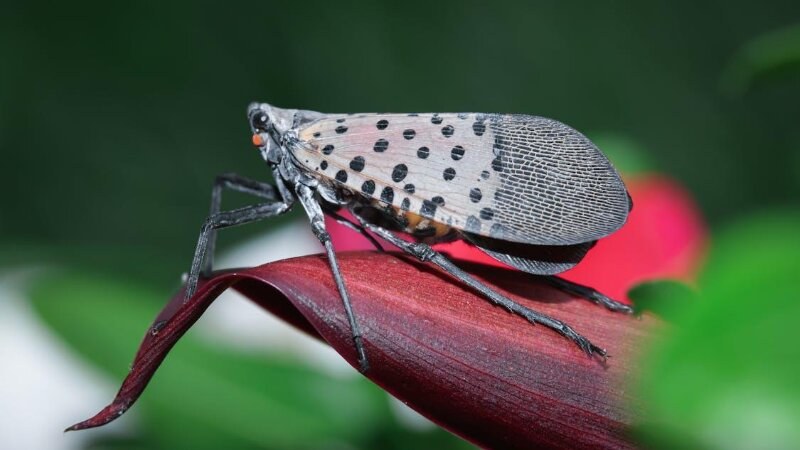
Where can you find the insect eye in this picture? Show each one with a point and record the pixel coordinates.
(260, 121)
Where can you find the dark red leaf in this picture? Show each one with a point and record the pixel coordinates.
(473, 368)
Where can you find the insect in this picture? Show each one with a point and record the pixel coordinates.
(531, 192)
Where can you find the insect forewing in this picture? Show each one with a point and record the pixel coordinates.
(518, 178)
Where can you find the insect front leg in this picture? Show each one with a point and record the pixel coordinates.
(236, 183)
(227, 219)
(587, 293)
(315, 214)
(425, 253)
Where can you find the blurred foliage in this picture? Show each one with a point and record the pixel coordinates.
(628, 156)
(726, 376)
(115, 117)
(775, 53)
(211, 397)
(665, 298)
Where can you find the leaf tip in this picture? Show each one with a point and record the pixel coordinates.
(106, 415)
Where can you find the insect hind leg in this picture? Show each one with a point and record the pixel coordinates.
(425, 253)
(587, 293)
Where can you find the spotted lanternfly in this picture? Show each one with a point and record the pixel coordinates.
(529, 191)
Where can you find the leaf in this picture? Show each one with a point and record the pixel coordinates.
(206, 395)
(727, 376)
(665, 298)
(768, 54)
(476, 370)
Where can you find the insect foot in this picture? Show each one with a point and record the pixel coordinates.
(363, 362)
(567, 331)
(588, 293)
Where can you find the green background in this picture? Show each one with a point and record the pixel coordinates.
(115, 117)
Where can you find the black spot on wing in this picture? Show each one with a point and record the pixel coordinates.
(428, 209)
(357, 163)
(473, 225)
(497, 230)
(387, 194)
(381, 145)
(368, 187)
(399, 172)
(475, 195)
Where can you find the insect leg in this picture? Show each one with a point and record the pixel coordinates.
(355, 227)
(425, 253)
(227, 219)
(237, 183)
(587, 293)
(315, 214)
